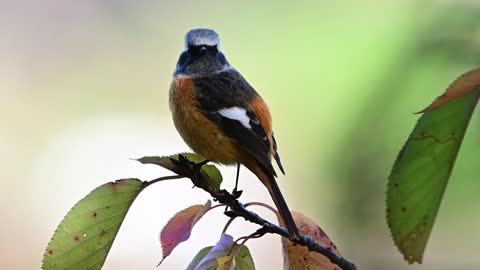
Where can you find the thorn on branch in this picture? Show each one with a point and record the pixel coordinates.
(231, 214)
(192, 170)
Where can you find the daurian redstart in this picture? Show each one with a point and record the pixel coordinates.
(221, 117)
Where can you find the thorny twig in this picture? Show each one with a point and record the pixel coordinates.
(186, 168)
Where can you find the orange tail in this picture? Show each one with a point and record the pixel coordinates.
(269, 181)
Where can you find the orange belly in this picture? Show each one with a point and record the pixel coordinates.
(199, 132)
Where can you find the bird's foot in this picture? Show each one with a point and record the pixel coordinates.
(237, 193)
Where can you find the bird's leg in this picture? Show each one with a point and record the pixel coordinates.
(235, 191)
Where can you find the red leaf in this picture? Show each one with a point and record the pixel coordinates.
(179, 227)
(463, 85)
(299, 257)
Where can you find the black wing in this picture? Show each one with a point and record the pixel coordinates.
(226, 90)
(276, 155)
(223, 90)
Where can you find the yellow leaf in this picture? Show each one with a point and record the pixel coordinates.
(225, 263)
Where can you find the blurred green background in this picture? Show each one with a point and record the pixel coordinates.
(83, 88)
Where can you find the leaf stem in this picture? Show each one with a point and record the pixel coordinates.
(229, 222)
(159, 179)
(257, 234)
(263, 205)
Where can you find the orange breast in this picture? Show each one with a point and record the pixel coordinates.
(199, 132)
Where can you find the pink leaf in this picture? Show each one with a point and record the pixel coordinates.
(179, 227)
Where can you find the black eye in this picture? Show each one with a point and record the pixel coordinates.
(194, 50)
(212, 49)
(198, 50)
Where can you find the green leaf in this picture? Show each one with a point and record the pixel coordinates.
(179, 227)
(420, 174)
(200, 255)
(85, 236)
(218, 257)
(221, 249)
(244, 260)
(210, 172)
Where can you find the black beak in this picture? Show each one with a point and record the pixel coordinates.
(203, 50)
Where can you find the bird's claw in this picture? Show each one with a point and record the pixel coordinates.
(237, 193)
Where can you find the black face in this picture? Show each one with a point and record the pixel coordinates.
(200, 60)
(201, 50)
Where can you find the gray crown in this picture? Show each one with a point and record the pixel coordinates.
(202, 36)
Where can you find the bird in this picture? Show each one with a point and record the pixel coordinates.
(222, 118)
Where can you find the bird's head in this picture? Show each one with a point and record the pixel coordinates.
(202, 55)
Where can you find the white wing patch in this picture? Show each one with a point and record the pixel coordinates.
(236, 113)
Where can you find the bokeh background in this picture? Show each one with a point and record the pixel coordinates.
(83, 88)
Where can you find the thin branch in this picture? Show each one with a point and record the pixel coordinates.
(225, 228)
(186, 168)
(159, 179)
(257, 234)
(216, 206)
(247, 205)
(264, 205)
